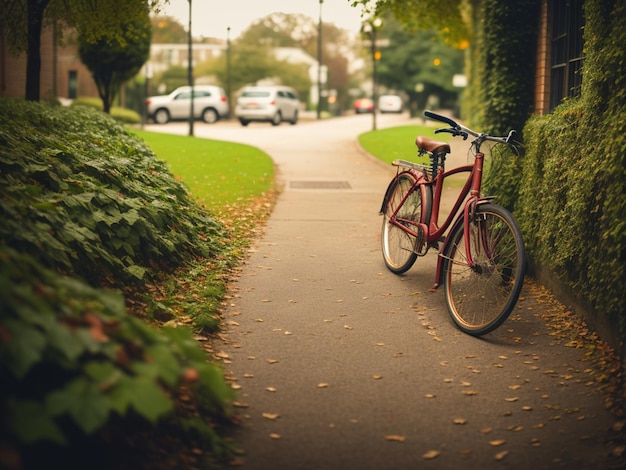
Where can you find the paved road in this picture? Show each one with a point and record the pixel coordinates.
(343, 365)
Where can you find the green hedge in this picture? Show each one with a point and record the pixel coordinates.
(572, 205)
(567, 191)
(123, 115)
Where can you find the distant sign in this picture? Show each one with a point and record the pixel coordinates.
(459, 80)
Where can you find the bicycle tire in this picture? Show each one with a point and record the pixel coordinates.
(481, 298)
(397, 245)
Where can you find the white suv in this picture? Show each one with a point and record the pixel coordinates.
(209, 104)
(267, 103)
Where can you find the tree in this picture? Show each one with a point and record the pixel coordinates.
(112, 62)
(448, 17)
(419, 64)
(253, 63)
(166, 29)
(22, 21)
(289, 30)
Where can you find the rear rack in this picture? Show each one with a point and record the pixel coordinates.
(426, 169)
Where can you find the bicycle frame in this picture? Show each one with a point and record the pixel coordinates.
(432, 231)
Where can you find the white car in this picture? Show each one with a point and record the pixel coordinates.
(267, 103)
(209, 104)
(390, 104)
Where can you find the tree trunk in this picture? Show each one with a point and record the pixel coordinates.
(35, 10)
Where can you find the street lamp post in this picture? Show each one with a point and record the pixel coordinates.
(228, 84)
(190, 74)
(371, 27)
(319, 64)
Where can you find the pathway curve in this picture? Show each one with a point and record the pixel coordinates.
(340, 364)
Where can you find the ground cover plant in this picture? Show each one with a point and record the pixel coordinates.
(93, 226)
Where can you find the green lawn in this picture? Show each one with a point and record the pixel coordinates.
(397, 142)
(217, 173)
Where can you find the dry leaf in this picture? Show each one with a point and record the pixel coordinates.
(274, 436)
(515, 387)
(272, 361)
(527, 408)
(395, 438)
(497, 442)
(459, 421)
(431, 454)
(270, 416)
(377, 377)
(322, 385)
(511, 399)
(429, 395)
(270, 389)
(501, 455)
(470, 393)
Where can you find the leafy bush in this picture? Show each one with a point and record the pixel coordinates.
(572, 206)
(85, 204)
(123, 115)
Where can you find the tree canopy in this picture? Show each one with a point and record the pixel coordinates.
(448, 17)
(115, 61)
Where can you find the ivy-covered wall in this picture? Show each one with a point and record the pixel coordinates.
(502, 71)
(572, 204)
(567, 190)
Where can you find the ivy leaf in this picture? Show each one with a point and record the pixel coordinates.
(83, 401)
(23, 349)
(32, 423)
(148, 399)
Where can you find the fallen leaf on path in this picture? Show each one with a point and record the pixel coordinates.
(270, 389)
(272, 361)
(470, 393)
(431, 454)
(515, 387)
(511, 399)
(322, 385)
(429, 395)
(500, 455)
(270, 416)
(497, 442)
(395, 438)
(459, 421)
(377, 377)
(274, 436)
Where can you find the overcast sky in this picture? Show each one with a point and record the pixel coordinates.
(212, 17)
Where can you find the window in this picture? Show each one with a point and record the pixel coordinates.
(566, 52)
(72, 85)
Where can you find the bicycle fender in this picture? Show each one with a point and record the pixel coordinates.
(445, 249)
(387, 195)
(416, 175)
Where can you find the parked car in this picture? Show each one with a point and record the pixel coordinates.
(390, 104)
(209, 104)
(363, 105)
(267, 103)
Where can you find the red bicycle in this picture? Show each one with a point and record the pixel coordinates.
(482, 260)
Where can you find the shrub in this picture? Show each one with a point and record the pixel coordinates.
(85, 204)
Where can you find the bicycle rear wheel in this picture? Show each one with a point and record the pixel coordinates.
(480, 298)
(398, 246)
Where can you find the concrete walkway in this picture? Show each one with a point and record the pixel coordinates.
(340, 364)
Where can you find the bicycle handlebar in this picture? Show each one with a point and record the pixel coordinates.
(457, 129)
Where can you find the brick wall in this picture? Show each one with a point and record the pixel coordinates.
(55, 70)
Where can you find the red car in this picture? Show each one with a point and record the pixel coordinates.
(363, 105)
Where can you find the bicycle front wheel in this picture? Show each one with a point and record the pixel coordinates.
(399, 246)
(481, 297)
